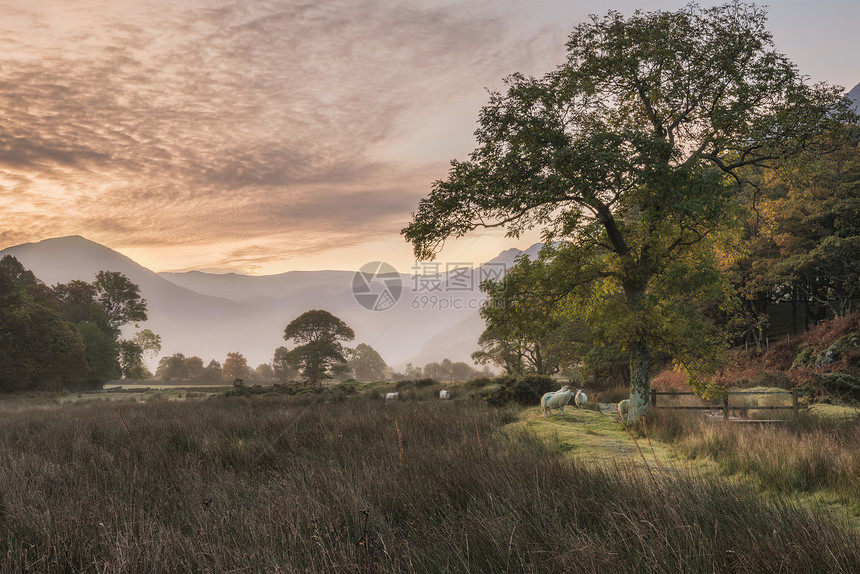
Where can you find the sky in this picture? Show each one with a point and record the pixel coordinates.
(260, 137)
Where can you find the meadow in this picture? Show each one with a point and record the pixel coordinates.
(357, 484)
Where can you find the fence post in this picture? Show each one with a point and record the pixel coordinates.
(726, 406)
(653, 398)
(794, 402)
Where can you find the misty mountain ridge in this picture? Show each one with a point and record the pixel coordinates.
(854, 96)
(209, 315)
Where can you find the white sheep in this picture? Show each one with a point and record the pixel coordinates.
(624, 410)
(579, 398)
(445, 395)
(392, 396)
(556, 399)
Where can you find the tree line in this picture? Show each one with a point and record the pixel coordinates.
(69, 336)
(318, 353)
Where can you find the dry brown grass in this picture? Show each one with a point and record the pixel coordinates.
(269, 484)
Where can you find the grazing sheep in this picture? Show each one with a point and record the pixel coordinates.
(392, 396)
(580, 399)
(624, 410)
(444, 395)
(556, 399)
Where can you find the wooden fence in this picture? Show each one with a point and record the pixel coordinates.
(726, 407)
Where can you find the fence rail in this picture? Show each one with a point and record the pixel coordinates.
(726, 407)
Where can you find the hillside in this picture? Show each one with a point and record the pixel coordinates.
(854, 95)
(824, 361)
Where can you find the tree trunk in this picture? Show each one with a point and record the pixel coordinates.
(538, 360)
(640, 356)
(640, 378)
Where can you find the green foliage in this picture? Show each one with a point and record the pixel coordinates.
(173, 369)
(366, 364)
(832, 387)
(101, 352)
(235, 367)
(628, 151)
(524, 332)
(38, 350)
(120, 299)
(415, 383)
(99, 310)
(132, 351)
(282, 369)
(524, 390)
(319, 353)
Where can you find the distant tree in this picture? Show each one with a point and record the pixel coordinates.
(319, 351)
(433, 370)
(132, 351)
(131, 361)
(172, 369)
(212, 371)
(235, 367)
(264, 373)
(413, 372)
(283, 372)
(366, 364)
(629, 152)
(461, 371)
(194, 369)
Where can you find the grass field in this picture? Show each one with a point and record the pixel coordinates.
(279, 484)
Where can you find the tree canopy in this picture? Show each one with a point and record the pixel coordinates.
(319, 352)
(38, 349)
(630, 153)
(367, 364)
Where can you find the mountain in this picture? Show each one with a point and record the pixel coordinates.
(854, 96)
(427, 318)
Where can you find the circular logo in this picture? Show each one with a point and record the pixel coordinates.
(377, 286)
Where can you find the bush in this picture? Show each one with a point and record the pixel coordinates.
(525, 390)
(478, 382)
(830, 387)
(414, 383)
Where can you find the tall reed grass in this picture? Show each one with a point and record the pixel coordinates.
(268, 485)
(806, 454)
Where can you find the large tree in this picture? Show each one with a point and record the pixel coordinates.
(319, 337)
(630, 150)
(106, 305)
(120, 298)
(38, 349)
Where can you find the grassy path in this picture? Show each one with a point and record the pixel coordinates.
(598, 437)
(595, 436)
